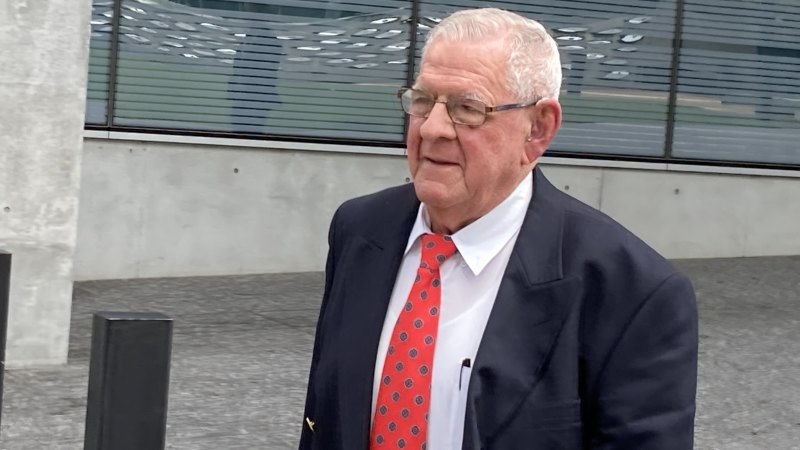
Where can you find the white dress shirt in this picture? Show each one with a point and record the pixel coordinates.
(470, 281)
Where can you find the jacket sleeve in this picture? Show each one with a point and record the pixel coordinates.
(646, 389)
(306, 435)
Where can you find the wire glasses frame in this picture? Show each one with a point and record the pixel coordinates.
(462, 110)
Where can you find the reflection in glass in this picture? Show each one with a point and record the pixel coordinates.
(252, 67)
(739, 83)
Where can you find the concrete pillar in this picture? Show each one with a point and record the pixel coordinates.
(44, 46)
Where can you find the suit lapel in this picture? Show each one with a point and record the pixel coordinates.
(531, 306)
(371, 265)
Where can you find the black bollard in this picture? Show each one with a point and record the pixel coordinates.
(5, 278)
(128, 381)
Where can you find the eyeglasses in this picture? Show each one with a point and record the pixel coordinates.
(462, 110)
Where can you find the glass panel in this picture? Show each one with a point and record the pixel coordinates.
(616, 57)
(739, 82)
(99, 62)
(290, 67)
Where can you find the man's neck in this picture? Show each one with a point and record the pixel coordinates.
(450, 220)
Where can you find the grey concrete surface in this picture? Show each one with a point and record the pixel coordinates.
(43, 73)
(158, 209)
(163, 210)
(242, 348)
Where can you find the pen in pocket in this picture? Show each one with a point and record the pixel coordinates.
(465, 363)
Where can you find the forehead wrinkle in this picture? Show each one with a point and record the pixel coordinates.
(481, 76)
(450, 81)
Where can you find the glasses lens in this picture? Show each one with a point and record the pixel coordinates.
(467, 111)
(417, 103)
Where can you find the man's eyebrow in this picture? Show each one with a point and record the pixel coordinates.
(473, 96)
(470, 95)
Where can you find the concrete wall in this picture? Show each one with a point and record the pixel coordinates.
(695, 214)
(43, 70)
(165, 209)
(155, 209)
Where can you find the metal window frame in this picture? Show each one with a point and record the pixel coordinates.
(666, 157)
(672, 101)
(113, 64)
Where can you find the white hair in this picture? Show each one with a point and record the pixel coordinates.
(534, 64)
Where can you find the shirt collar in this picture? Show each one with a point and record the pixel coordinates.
(479, 242)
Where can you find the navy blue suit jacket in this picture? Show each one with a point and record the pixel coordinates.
(591, 343)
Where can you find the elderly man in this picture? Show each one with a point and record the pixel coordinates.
(481, 308)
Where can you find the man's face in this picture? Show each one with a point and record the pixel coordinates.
(458, 170)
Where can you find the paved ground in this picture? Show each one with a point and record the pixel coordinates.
(242, 347)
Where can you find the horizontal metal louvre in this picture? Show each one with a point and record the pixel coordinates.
(295, 68)
(329, 70)
(739, 81)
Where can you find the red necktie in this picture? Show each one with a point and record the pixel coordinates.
(401, 412)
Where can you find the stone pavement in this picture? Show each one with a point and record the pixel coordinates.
(242, 348)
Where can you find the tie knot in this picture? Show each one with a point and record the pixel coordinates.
(435, 250)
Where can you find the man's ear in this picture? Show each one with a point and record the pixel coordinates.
(545, 123)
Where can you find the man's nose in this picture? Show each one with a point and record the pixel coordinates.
(438, 124)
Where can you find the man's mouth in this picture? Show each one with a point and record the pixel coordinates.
(438, 161)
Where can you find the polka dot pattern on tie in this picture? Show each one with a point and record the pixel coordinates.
(401, 414)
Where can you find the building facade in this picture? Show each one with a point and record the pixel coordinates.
(220, 135)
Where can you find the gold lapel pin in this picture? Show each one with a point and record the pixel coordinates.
(310, 424)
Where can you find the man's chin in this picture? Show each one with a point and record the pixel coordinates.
(434, 194)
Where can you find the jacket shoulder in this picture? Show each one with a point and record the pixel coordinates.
(595, 238)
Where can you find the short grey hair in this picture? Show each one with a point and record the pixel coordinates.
(534, 64)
